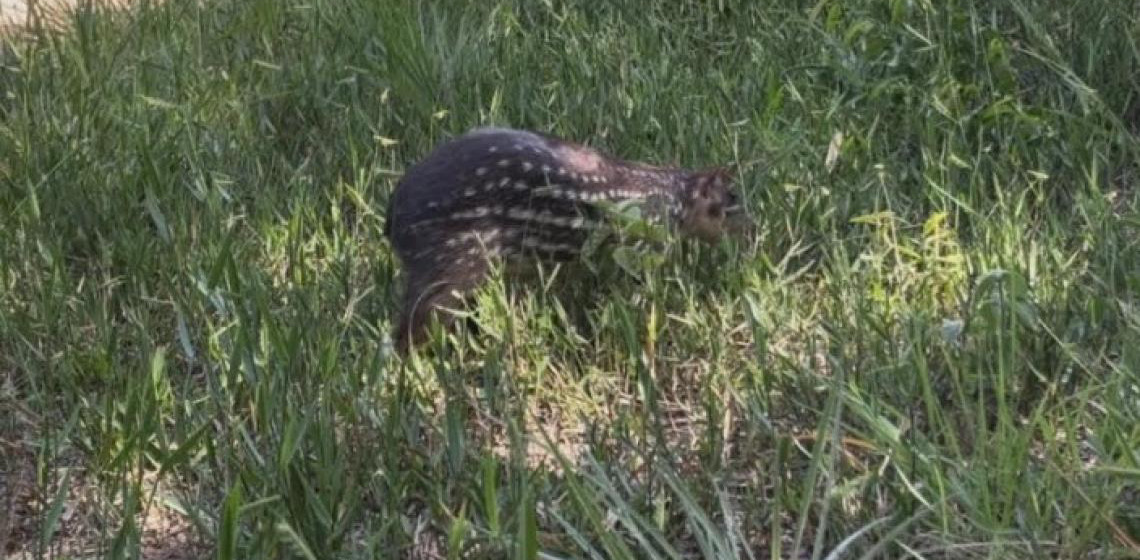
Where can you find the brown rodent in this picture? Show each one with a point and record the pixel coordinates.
(497, 193)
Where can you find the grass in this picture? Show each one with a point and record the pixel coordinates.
(930, 349)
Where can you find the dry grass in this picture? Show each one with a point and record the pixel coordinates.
(20, 15)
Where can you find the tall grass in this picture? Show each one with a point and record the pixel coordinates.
(930, 349)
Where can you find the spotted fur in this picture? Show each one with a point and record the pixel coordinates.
(503, 193)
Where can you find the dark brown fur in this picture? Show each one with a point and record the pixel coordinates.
(509, 193)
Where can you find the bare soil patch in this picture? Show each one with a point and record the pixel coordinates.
(18, 15)
(83, 524)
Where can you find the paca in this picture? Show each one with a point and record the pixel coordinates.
(501, 193)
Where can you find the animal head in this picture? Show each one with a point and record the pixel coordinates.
(711, 206)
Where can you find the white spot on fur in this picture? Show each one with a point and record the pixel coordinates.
(504, 162)
(546, 217)
(527, 166)
(481, 171)
(504, 182)
(579, 222)
(521, 186)
(477, 212)
(470, 191)
(541, 245)
(488, 185)
(490, 235)
(493, 149)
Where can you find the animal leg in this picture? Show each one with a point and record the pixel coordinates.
(428, 296)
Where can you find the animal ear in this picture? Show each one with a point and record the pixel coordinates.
(707, 179)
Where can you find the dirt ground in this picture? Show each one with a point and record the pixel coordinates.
(14, 14)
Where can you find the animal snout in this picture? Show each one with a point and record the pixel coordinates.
(738, 222)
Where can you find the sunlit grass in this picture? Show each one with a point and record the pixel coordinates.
(930, 348)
